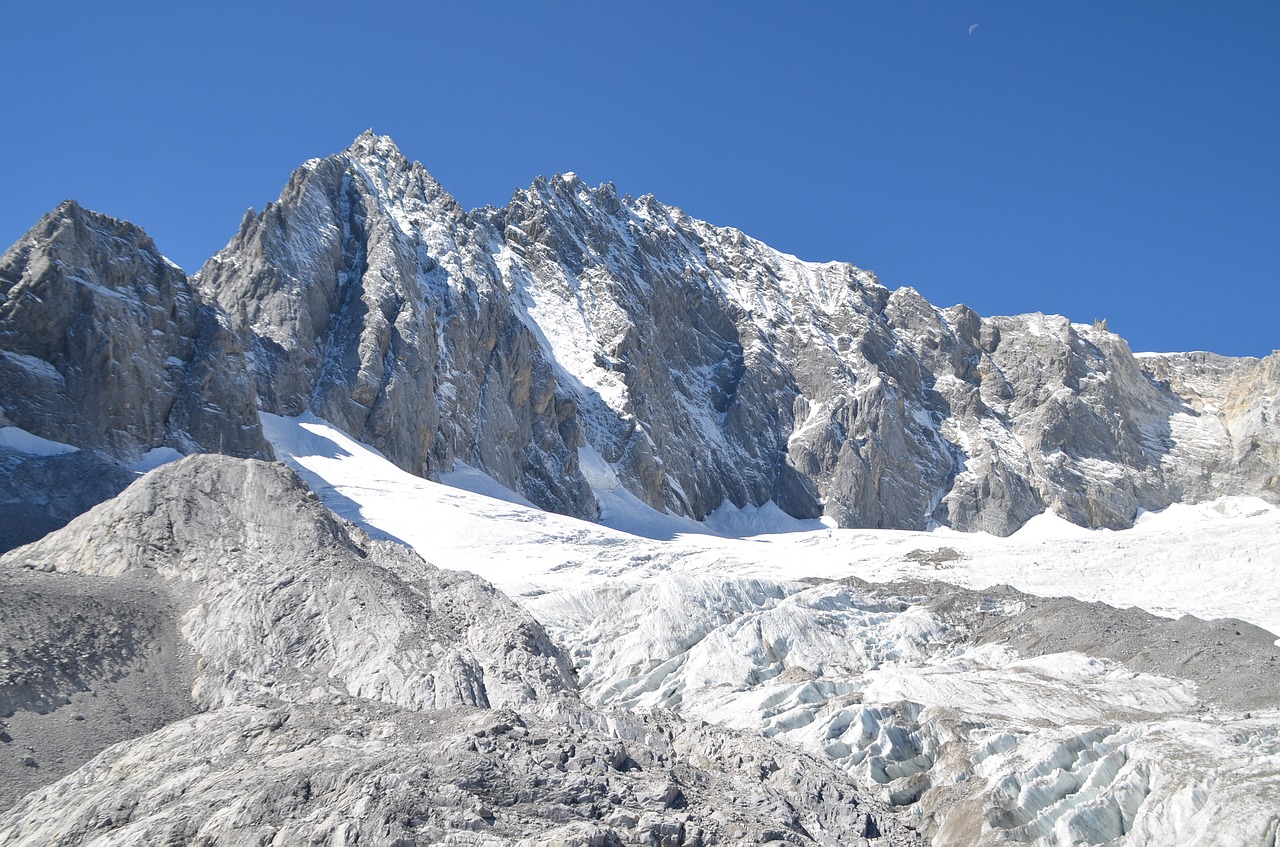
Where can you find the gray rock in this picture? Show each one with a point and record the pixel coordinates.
(717, 369)
(701, 366)
(354, 772)
(85, 662)
(348, 692)
(104, 344)
(367, 297)
(1230, 424)
(286, 601)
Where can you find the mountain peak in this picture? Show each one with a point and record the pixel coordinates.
(369, 143)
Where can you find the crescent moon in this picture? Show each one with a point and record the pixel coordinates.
(972, 27)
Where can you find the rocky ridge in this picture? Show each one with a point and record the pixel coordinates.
(696, 366)
(577, 341)
(365, 296)
(107, 346)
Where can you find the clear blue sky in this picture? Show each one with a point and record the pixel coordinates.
(1094, 159)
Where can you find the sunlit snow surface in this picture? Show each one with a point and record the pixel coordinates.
(760, 632)
(1212, 560)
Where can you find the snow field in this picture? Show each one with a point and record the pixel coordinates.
(778, 634)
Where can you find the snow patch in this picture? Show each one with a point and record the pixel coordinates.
(154, 458)
(467, 478)
(21, 441)
(1047, 526)
(766, 519)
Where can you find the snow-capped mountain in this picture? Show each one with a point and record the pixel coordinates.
(701, 367)
(594, 524)
(576, 341)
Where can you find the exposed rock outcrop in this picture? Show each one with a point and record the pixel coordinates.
(286, 601)
(38, 494)
(366, 297)
(574, 328)
(104, 344)
(717, 369)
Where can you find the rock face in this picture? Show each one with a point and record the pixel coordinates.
(575, 332)
(365, 295)
(719, 369)
(105, 345)
(301, 682)
(276, 583)
(1229, 424)
(698, 365)
(38, 494)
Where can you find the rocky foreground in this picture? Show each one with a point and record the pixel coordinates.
(213, 658)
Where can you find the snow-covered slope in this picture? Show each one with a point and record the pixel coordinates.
(991, 714)
(1217, 559)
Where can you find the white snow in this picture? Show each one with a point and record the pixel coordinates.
(765, 519)
(154, 458)
(1212, 560)
(18, 439)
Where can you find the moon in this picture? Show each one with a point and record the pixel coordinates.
(972, 27)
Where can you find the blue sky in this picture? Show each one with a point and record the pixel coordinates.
(1093, 159)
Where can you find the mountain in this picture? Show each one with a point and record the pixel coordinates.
(107, 350)
(334, 647)
(576, 343)
(364, 294)
(695, 366)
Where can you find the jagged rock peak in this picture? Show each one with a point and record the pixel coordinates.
(369, 297)
(69, 221)
(396, 174)
(369, 143)
(106, 345)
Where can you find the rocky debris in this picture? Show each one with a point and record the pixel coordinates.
(939, 558)
(348, 691)
(272, 596)
(348, 771)
(1235, 665)
(106, 345)
(85, 662)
